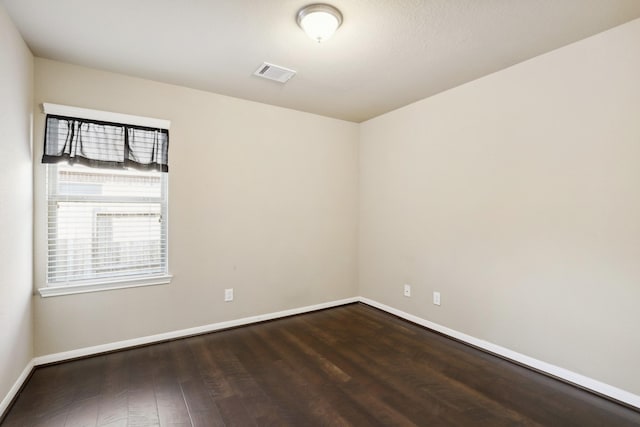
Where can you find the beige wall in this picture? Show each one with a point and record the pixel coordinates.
(517, 197)
(16, 95)
(261, 199)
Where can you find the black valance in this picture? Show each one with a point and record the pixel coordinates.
(105, 144)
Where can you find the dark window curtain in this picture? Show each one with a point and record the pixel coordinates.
(106, 145)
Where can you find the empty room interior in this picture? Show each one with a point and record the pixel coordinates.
(411, 212)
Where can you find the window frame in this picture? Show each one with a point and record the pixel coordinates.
(107, 283)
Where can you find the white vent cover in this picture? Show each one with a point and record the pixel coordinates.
(274, 72)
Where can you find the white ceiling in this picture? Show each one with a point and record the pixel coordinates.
(388, 53)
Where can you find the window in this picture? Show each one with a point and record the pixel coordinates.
(106, 205)
(105, 225)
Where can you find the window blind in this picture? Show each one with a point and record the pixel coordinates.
(105, 225)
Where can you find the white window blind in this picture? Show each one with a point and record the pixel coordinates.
(105, 224)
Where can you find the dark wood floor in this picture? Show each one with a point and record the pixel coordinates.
(351, 365)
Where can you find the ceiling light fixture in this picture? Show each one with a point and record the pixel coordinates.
(319, 21)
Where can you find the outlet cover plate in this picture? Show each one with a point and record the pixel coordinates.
(436, 298)
(228, 295)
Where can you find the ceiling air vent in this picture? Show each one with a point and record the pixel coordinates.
(274, 72)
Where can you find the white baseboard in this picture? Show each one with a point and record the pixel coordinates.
(88, 351)
(556, 371)
(572, 377)
(4, 405)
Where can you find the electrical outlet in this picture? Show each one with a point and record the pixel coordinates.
(228, 295)
(436, 298)
(407, 290)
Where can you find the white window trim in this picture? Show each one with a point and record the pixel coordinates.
(98, 286)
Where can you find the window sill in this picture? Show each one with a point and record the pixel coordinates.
(54, 291)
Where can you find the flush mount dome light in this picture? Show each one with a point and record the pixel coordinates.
(319, 21)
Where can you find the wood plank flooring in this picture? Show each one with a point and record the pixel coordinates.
(350, 365)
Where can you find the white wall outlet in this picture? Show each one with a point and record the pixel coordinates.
(228, 294)
(407, 290)
(436, 298)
